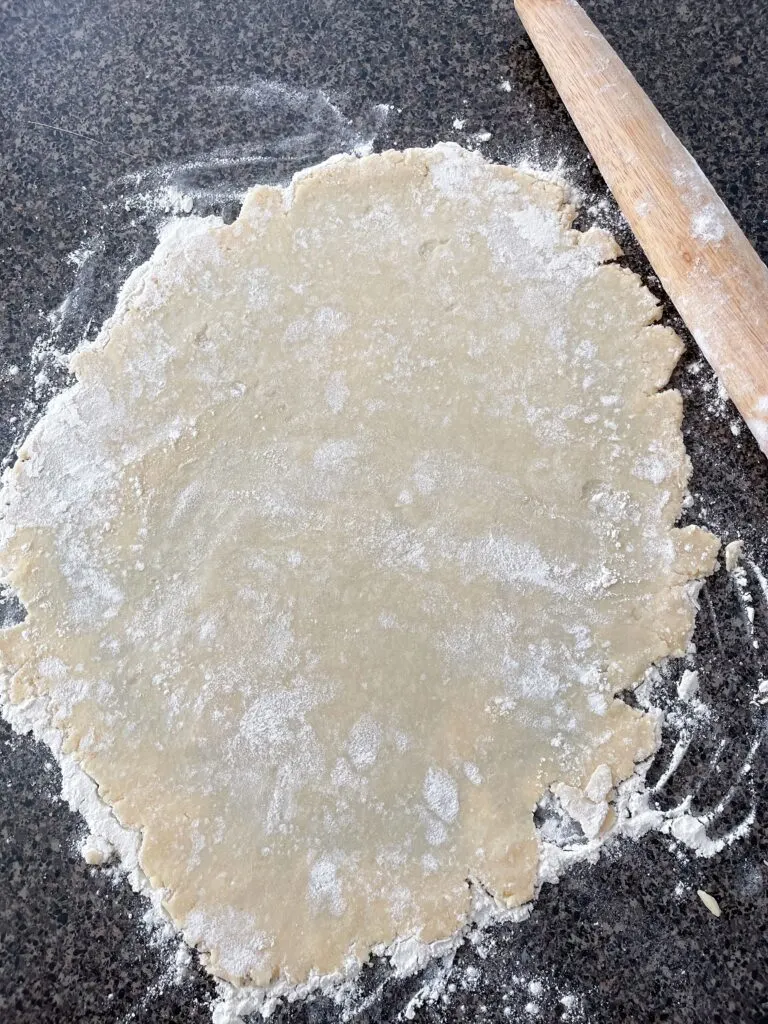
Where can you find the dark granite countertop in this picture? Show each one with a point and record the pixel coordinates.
(188, 96)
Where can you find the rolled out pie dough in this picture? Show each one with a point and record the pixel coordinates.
(359, 515)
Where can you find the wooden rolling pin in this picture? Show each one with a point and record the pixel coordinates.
(703, 259)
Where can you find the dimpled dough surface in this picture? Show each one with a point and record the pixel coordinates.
(359, 514)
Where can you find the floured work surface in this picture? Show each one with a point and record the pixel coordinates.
(360, 514)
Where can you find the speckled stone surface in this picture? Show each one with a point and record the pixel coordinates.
(179, 94)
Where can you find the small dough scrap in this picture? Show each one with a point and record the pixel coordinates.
(358, 517)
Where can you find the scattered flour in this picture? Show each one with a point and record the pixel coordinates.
(633, 805)
(635, 812)
(708, 224)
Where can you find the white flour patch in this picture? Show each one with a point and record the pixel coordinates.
(336, 391)
(441, 794)
(708, 224)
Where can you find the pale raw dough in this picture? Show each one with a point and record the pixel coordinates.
(360, 514)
